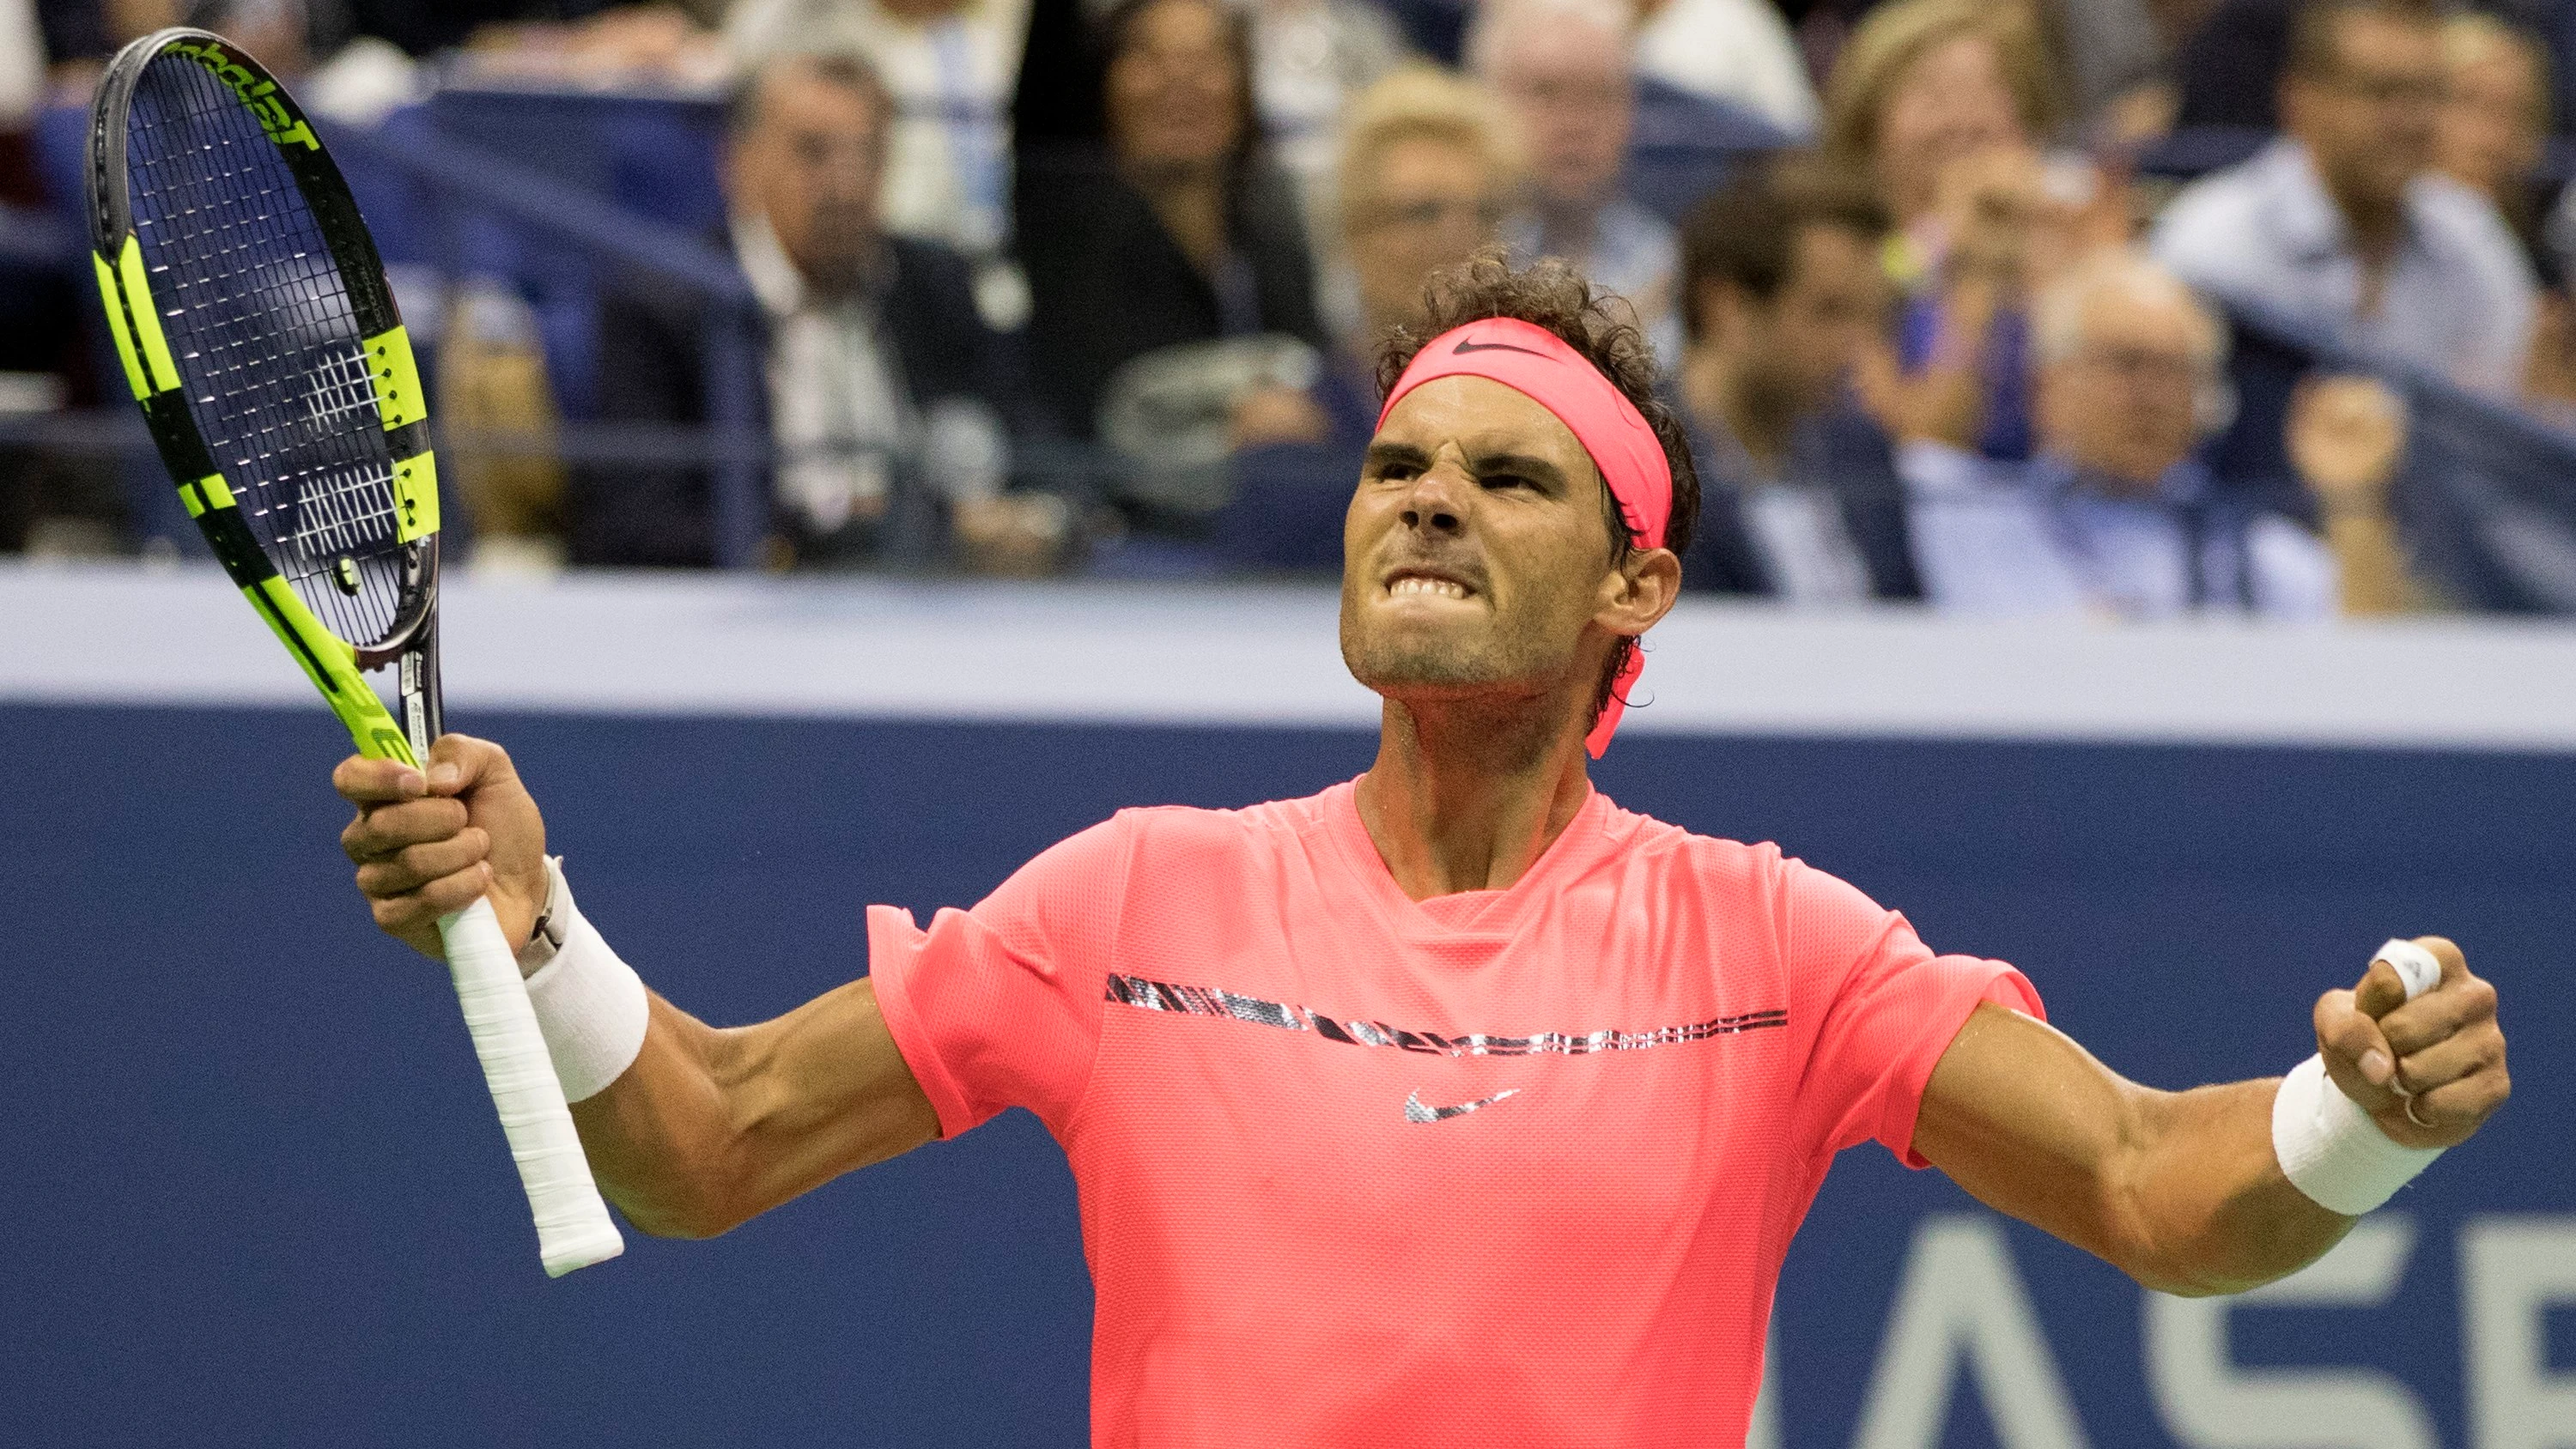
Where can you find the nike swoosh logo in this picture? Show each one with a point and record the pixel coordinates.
(1464, 347)
(1415, 1111)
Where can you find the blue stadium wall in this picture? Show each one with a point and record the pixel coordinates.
(253, 1192)
(252, 1195)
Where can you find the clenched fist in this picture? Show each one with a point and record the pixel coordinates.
(2428, 1071)
(428, 844)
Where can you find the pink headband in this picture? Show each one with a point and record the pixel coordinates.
(1538, 364)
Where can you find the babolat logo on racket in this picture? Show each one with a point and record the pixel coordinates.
(257, 93)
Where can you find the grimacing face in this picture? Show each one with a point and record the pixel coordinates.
(1476, 554)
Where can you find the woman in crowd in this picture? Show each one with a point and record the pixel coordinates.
(1158, 220)
(1425, 172)
(1943, 104)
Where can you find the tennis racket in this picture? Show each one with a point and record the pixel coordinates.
(252, 317)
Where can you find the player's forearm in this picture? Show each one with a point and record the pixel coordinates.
(2207, 1207)
(2180, 1190)
(661, 1137)
(712, 1126)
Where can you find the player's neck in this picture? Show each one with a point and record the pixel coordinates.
(1466, 795)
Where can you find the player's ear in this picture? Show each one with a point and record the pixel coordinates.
(1642, 589)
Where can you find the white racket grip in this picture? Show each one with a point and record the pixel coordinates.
(574, 1229)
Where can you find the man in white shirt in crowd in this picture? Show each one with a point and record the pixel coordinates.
(2343, 225)
(1561, 69)
(2114, 516)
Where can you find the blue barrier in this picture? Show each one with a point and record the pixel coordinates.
(2486, 498)
(255, 1198)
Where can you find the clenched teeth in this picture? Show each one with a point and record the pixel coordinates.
(1416, 585)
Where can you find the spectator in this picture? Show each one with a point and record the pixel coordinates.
(1171, 228)
(2341, 225)
(951, 66)
(2115, 516)
(1561, 71)
(1425, 171)
(1311, 58)
(1783, 292)
(1941, 104)
(873, 354)
(1736, 51)
(2494, 122)
(1925, 84)
(22, 64)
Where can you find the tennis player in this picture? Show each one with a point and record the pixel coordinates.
(1454, 1104)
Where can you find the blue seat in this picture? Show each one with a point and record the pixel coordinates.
(1684, 145)
(655, 157)
(2195, 151)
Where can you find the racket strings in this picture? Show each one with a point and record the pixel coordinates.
(267, 345)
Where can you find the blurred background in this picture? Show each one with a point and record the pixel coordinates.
(2128, 308)
(886, 436)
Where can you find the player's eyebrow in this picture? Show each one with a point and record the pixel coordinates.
(1527, 465)
(1383, 456)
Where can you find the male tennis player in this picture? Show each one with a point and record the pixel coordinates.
(1454, 1104)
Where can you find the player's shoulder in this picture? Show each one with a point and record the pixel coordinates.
(1685, 859)
(1640, 837)
(1194, 828)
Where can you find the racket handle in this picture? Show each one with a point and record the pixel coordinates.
(573, 1226)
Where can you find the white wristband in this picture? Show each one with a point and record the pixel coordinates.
(2331, 1150)
(591, 1006)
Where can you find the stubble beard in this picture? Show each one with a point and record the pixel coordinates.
(1421, 664)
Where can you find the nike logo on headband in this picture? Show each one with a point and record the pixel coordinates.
(1464, 347)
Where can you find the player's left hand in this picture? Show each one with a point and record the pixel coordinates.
(2442, 1054)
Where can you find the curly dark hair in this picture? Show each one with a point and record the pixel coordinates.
(1602, 328)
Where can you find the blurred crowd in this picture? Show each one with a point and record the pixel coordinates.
(1098, 285)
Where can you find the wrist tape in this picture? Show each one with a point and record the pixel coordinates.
(590, 1005)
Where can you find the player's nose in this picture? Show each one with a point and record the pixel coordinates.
(1438, 499)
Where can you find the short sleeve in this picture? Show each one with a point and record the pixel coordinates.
(999, 1006)
(1887, 1009)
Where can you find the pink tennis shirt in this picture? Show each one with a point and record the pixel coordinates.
(1505, 1167)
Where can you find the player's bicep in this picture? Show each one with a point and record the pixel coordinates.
(2032, 1125)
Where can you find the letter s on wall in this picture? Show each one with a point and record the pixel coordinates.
(2209, 1403)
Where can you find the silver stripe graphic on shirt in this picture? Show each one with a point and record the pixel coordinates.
(1216, 1001)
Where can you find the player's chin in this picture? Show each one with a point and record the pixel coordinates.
(1422, 659)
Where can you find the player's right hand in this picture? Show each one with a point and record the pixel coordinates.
(430, 844)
